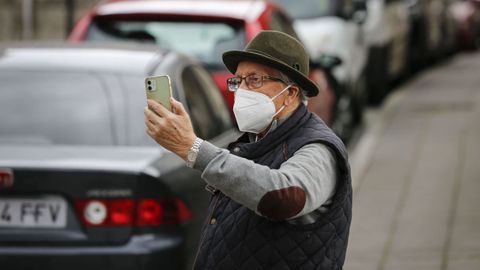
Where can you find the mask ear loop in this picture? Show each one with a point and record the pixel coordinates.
(284, 106)
(279, 111)
(281, 92)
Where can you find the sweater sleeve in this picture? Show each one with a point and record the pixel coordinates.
(301, 185)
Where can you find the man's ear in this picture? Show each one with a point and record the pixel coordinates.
(292, 93)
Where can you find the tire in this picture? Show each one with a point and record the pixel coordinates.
(377, 75)
(359, 99)
(476, 39)
(343, 124)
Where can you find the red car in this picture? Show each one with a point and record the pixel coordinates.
(203, 29)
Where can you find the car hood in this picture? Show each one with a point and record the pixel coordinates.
(98, 158)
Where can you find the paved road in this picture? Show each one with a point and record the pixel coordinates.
(416, 175)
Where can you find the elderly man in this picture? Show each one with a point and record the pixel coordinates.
(282, 191)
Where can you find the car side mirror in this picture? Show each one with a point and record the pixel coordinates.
(359, 15)
(327, 62)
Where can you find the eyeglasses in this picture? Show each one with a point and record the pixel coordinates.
(253, 81)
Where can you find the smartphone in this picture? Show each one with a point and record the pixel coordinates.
(159, 89)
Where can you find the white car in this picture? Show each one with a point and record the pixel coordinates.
(334, 27)
(387, 31)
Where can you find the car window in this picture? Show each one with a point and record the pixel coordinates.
(218, 107)
(303, 9)
(209, 114)
(133, 108)
(54, 108)
(205, 41)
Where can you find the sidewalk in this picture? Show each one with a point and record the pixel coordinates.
(416, 175)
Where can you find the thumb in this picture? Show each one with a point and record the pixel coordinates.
(179, 109)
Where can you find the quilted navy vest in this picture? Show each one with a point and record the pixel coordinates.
(235, 237)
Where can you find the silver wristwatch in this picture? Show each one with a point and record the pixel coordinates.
(193, 152)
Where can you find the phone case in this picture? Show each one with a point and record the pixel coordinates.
(159, 89)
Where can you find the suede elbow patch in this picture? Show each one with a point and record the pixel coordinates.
(282, 203)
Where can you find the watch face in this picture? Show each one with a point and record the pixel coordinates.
(191, 156)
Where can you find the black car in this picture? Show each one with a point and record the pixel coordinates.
(82, 186)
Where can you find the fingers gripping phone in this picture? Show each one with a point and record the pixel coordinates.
(159, 89)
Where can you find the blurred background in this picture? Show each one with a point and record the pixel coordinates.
(81, 185)
(40, 20)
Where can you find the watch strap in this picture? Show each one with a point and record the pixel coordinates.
(192, 153)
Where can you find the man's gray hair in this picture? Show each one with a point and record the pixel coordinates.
(302, 94)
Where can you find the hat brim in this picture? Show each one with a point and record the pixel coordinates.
(231, 59)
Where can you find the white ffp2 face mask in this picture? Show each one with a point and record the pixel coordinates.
(254, 111)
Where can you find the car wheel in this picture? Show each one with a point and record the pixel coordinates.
(476, 40)
(343, 124)
(359, 99)
(377, 75)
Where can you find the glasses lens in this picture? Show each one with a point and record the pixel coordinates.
(233, 83)
(254, 81)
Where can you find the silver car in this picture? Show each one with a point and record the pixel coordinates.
(81, 184)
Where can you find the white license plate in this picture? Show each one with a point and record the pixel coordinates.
(45, 212)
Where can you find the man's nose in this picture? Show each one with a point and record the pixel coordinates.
(243, 84)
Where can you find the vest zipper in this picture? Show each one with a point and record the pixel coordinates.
(216, 195)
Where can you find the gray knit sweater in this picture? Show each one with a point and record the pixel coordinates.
(311, 169)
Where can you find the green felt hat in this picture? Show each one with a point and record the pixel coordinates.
(277, 50)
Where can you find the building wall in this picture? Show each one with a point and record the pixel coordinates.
(45, 20)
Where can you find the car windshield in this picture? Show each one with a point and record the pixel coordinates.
(303, 9)
(206, 41)
(61, 108)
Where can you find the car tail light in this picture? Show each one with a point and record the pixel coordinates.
(95, 212)
(6, 178)
(106, 212)
(121, 212)
(183, 213)
(149, 212)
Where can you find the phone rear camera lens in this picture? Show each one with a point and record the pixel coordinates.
(150, 88)
(149, 82)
